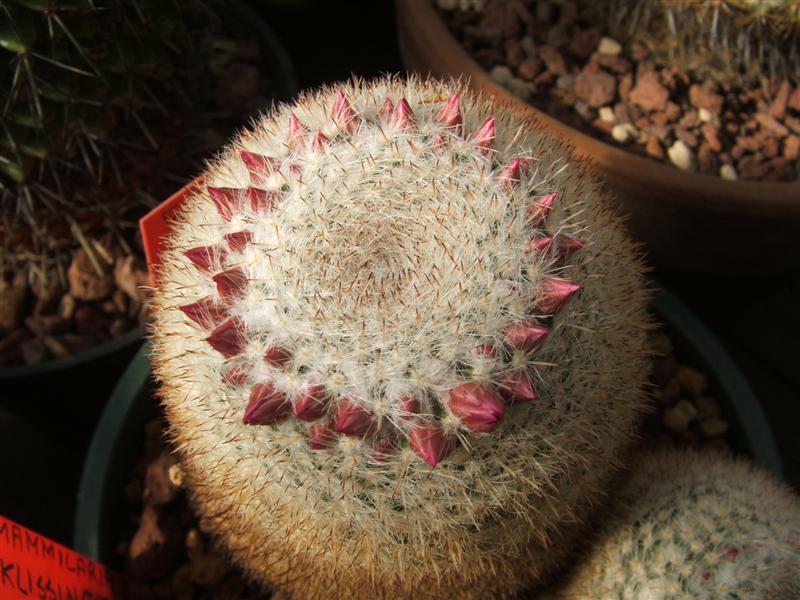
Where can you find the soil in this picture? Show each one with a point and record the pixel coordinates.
(90, 284)
(549, 55)
(168, 549)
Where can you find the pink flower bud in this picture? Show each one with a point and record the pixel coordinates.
(236, 375)
(431, 443)
(450, 115)
(259, 166)
(517, 386)
(403, 117)
(525, 335)
(409, 408)
(321, 436)
(484, 137)
(553, 294)
(230, 284)
(540, 208)
(262, 200)
(320, 141)
(511, 175)
(386, 111)
(562, 244)
(267, 406)
(477, 406)
(204, 257)
(312, 404)
(485, 351)
(343, 114)
(383, 447)
(297, 133)
(277, 356)
(228, 338)
(440, 141)
(226, 199)
(352, 420)
(238, 240)
(205, 312)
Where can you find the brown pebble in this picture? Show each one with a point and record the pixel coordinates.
(713, 427)
(678, 418)
(583, 42)
(711, 136)
(687, 137)
(85, 282)
(770, 148)
(529, 47)
(529, 68)
(552, 60)
(778, 107)
(653, 148)
(209, 569)
(791, 147)
(707, 407)
(33, 351)
(794, 100)
(595, 87)
(692, 381)
(618, 64)
(43, 325)
(703, 96)
(706, 159)
(89, 320)
(770, 124)
(752, 167)
(689, 119)
(499, 17)
(673, 388)
(649, 93)
(514, 53)
(625, 86)
(12, 301)
(156, 546)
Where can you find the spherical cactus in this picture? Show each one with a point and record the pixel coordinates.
(692, 525)
(401, 341)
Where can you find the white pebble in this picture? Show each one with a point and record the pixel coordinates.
(728, 172)
(609, 46)
(607, 114)
(705, 115)
(501, 74)
(623, 132)
(681, 156)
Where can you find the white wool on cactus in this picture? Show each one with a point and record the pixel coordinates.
(378, 280)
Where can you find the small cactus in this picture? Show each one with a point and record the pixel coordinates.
(694, 525)
(379, 383)
(729, 40)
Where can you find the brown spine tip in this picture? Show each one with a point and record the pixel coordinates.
(231, 284)
(267, 406)
(538, 210)
(205, 312)
(228, 338)
(450, 114)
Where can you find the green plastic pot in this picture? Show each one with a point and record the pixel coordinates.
(71, 392)
(119, 437)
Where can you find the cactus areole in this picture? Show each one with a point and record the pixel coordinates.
(381, 382)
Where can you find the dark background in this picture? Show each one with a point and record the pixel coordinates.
(756, 317)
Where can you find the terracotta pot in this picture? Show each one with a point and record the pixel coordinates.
(685, 220)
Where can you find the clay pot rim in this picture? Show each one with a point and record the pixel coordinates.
(748, 195)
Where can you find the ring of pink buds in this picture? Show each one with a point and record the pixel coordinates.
(495, 375)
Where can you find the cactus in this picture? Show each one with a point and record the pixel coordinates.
(401, 341)
(694, 525)
(729, 40)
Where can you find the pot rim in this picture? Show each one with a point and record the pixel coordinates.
(432, 31)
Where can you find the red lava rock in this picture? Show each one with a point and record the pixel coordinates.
(689, 119)
(625, 86)
(791, 147)
(583, 42)
(552, 60)
(752, 167)
(778, 107)
(529, 68)
(794, 100)
(654, 148)
(624, 113)
(85, 283)
(603, 126)
(595, 87)
(771, 124)
(711, 136)
(703, 96)
(706, 159)
(514, 53)
(687, 137)
(649, 93)
(771, 148)
(673, 111)
(615, 63)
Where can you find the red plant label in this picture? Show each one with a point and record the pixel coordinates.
(32, 566)
(157, 224)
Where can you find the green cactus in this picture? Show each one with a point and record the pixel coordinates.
(402, 343)
(694, 525)
(729, 40)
